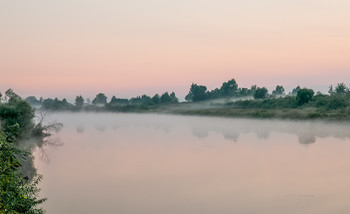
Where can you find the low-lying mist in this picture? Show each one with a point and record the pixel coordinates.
(306, 131)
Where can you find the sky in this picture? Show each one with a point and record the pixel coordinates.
(62, 48)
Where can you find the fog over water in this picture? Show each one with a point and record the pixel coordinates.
(148, 163)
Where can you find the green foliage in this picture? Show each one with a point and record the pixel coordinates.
(156, 99)
(341, 89)
(331, 90)
(229, 88)
(56, 104)
(33, 101)
(260, 93)
(275, 103)
(165, 98)
(18, 111)
(304, 96)
(295, 90)
(17, 193)
(336, 102)
(79, 101)
(197, 93)
(278, 91)
(113, 101)
(100, 99)
(213, 94)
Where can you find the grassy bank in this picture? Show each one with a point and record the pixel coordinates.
(294, 114)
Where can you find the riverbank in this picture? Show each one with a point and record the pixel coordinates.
(292, 114)
(223, 110)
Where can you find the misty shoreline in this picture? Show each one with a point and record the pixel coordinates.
(222, 111)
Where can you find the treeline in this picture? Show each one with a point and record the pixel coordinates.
(100, 103)
(230, 89)
(338, 97)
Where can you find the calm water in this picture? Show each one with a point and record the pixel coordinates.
(161, 164)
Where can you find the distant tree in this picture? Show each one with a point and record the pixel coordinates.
(146, 100)
(0, 97)
(165, 98)
(278, 91)
(253, 88)
(295, 90)
(229, 88)
(100, 99)
(33, 101)
(10, 94)
(156, 99)
(56, 104)
(336, 102)
(135, 100)
(173, 98)
(341, 88)
(64, 101)
(261, 93)
(304, 96)
(113, 101)
(331, 90)
(196, 93)
(243, 92)
(122, 101)
(213, 94)
(88, 101)
(79, 101)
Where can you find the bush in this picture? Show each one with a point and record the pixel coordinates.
(17, 193)
(336, 102)
(260, 93)
(304, 96)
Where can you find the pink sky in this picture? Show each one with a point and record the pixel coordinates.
(128, 48)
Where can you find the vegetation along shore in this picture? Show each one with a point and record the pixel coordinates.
(229, 100)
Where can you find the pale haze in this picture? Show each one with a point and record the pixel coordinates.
(128, 48)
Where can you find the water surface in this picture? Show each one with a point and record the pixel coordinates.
(150, 164)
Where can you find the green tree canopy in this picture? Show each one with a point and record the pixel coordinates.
(278, 91)
(113, 101)
(17, 110)
(196, 93)
(156, 99)
(331, 90)
(295, 90)
(17, 193)
(304, 96)
(341, 89)
(100, 99)
(79, 101)
(33, 101)
(173, 98)
(229, 88)
(165, 98)
(261, 93)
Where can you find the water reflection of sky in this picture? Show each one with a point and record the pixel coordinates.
(138, 163)
(306, 131)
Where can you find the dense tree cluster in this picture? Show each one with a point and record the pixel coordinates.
(100, 103)
(18, 185)
(303, 98)
(228, 89)
(337, 98)
(18, 194)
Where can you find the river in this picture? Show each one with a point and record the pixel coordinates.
(166, 164)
